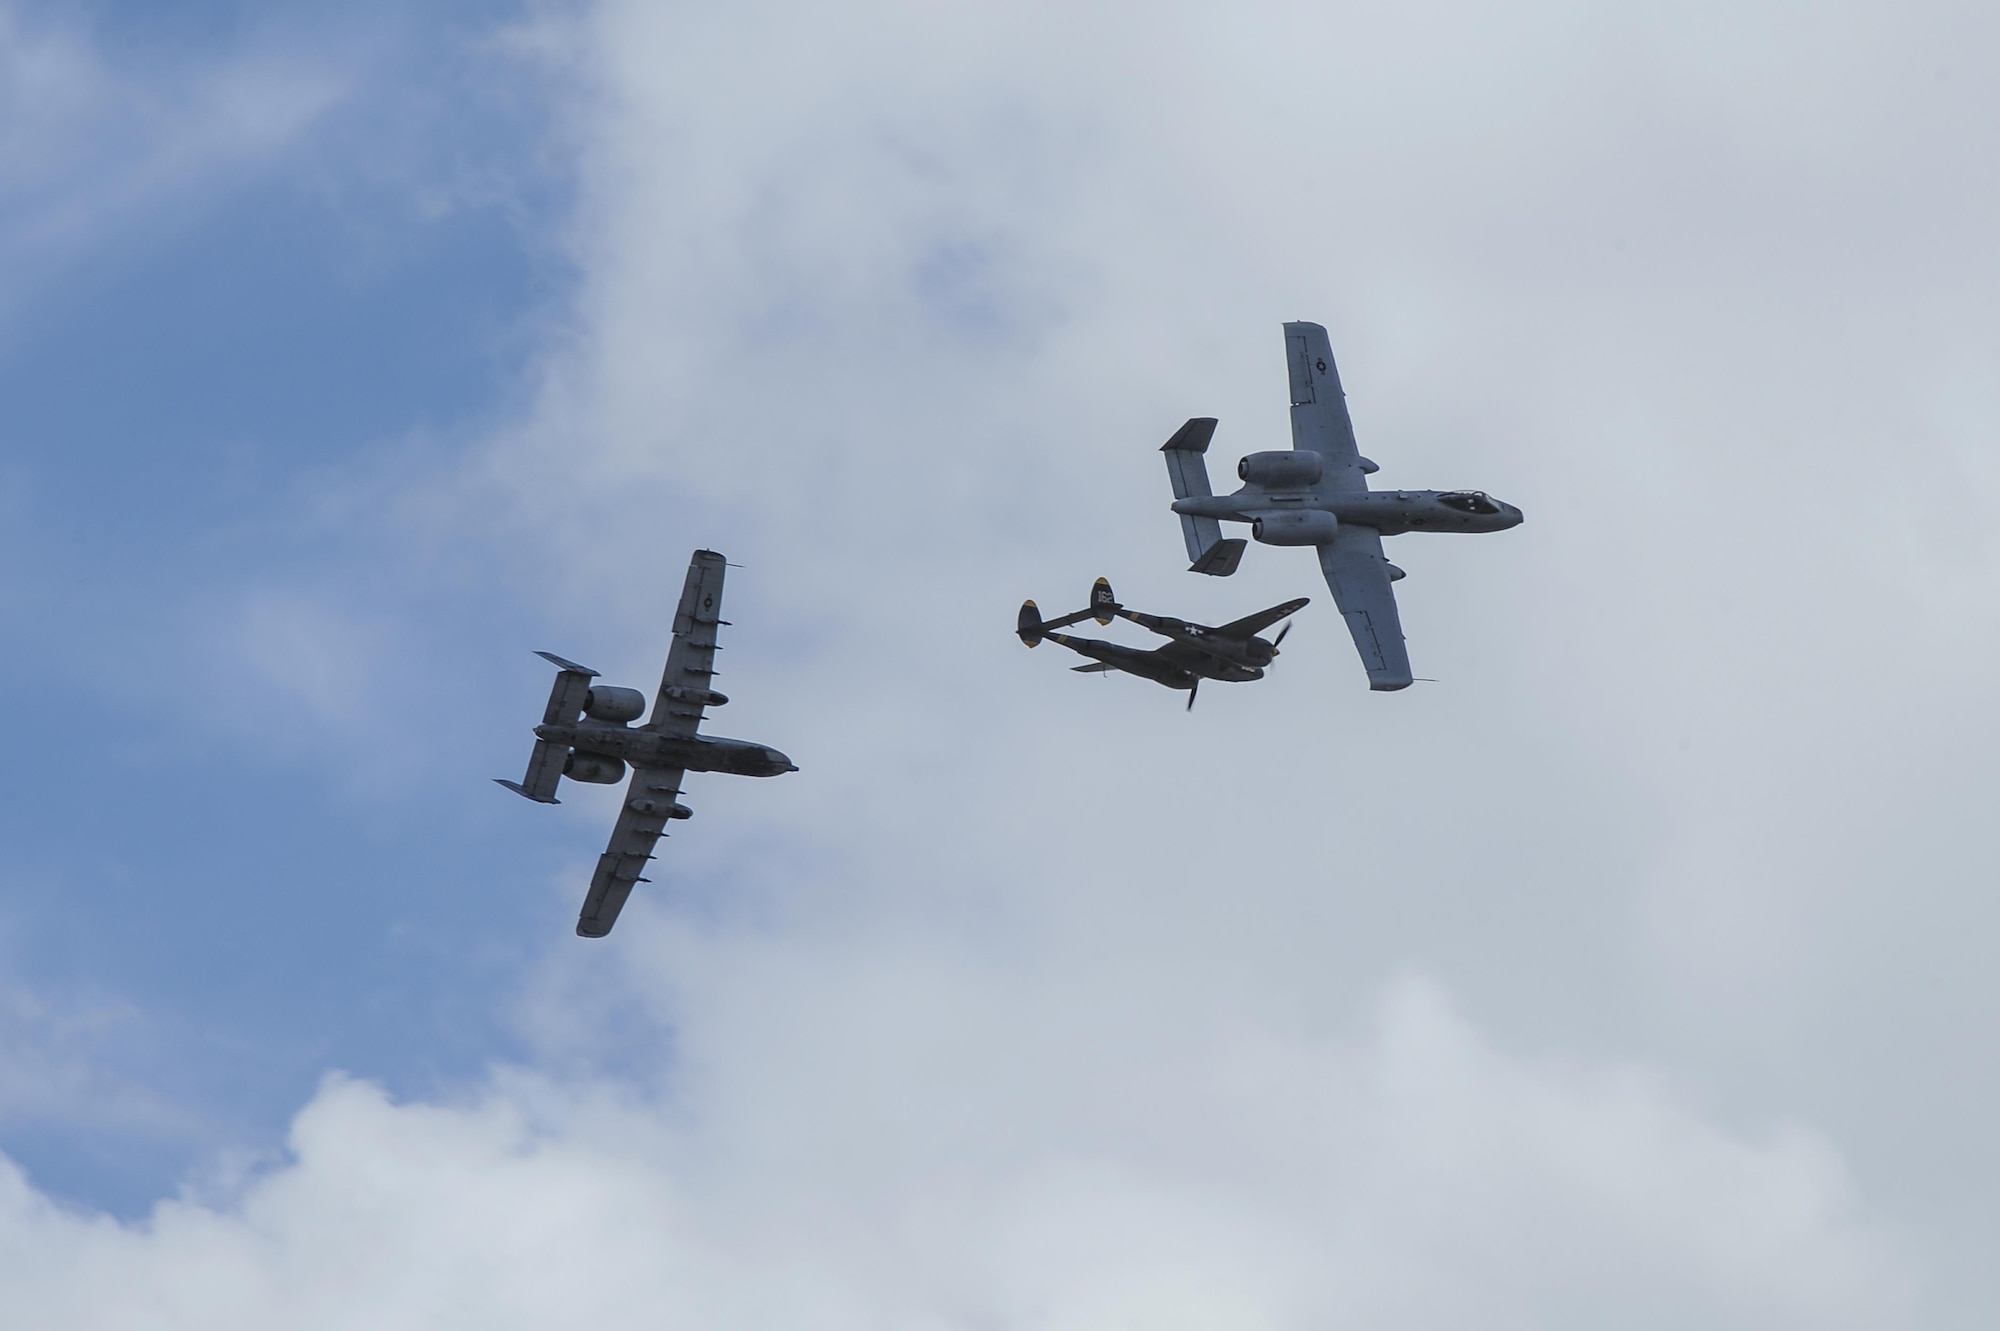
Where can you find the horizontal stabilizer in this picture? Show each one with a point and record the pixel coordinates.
(545, 769)
(1221, 556)
(1033, 628)
(1187, 469)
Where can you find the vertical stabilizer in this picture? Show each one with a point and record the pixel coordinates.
(1187, 468)
(1103, 605)
(1029, 623)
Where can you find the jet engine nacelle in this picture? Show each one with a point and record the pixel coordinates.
(595, 767)
(1292, 470)
(1310, 526)
(604, 703)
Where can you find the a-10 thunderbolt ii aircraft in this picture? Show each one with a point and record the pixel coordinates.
(1193, 652)
(1318, 495)
(585, 736)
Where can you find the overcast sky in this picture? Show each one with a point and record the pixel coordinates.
(1636, 972)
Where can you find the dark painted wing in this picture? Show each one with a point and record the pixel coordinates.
(1319, 408)
(1358, 575)
(688, 678)
(649, 797)
(1263, 619)
(1180, 654)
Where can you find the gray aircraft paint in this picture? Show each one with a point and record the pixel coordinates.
(586, 735)
(1323, 502)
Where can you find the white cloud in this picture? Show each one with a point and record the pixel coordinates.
(879, 1168)
(1679, 288)
(56, 1068)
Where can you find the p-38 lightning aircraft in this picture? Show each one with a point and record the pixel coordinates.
(584, 736)
(1318, 495)
(1193, 653)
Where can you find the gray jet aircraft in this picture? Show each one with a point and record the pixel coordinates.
(1318, 495)
(585, 736)
(1193, 653)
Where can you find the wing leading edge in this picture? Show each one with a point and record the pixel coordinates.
(650, 798)
(1263, 619)
(1357, 573)
(686, 685)
(1319, 408)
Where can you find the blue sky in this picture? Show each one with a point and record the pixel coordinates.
(184, 386)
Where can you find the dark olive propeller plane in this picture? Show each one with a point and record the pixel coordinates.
(585, 736)
(1193, 652)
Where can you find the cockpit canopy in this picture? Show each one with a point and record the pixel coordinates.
(1469, 501)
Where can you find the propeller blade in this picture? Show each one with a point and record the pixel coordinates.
(1191, 692)
(1275, 642)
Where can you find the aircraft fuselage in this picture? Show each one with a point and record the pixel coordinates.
(639, 747)
(1175, 674)
(1390, 512)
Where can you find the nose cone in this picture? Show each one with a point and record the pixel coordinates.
(780, 764)
(1513, 517)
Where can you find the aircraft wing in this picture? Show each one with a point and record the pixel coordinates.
(1358, 575)
(649, 799)
(1319, 408)
(685, 686)
(1263, 619)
